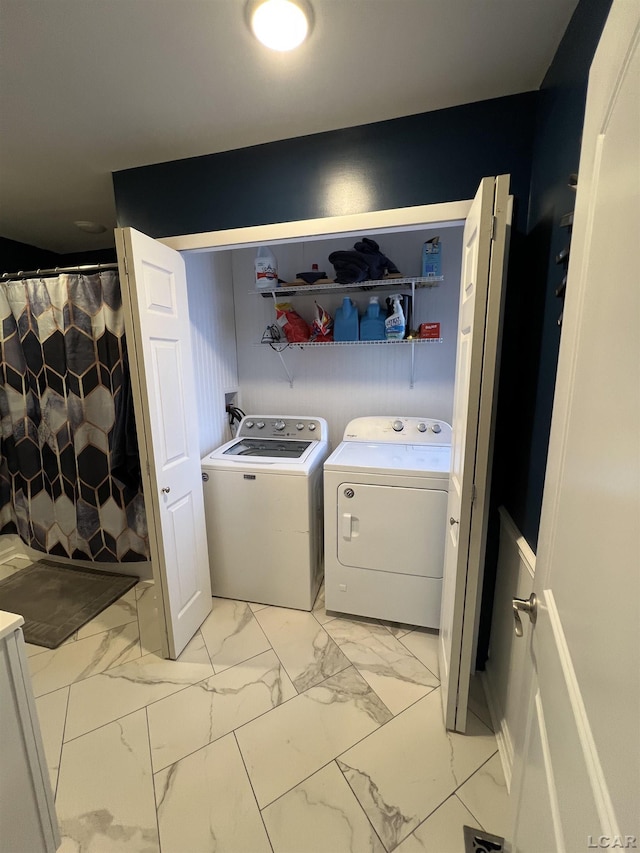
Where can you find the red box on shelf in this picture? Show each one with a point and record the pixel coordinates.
(429, 331)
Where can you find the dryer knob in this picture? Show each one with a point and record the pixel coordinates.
(248, 424)
(279, 425)
(260, 424)
(422, 427)
(299, 426)
(436, 428)
(312, 427)
(398, 426)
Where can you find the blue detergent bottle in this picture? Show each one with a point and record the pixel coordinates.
(345, 325)
(372, 323)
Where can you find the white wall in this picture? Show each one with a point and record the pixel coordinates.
(341, 383)
(213, 344)
(505, 668)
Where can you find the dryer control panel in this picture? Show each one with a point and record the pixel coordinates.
(398, 430)
(283, 426)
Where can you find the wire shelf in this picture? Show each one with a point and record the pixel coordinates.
(282, 345)
(377, 284)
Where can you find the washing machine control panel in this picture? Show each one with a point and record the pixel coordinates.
(398, 430)
(283, 427)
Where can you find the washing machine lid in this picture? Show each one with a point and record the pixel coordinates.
(263, 455)
(413, 460)
(267, 448)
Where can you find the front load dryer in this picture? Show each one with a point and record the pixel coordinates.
(385, 498)
(263, 510)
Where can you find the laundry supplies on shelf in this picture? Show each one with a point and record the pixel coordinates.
(346, 324)
(394, 325)
(432, 257)
(266, 267)
(363, 263)
(372, 323)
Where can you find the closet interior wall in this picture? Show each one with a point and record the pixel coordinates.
(344, 382)
(213, 342)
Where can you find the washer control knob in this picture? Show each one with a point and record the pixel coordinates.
(312, 427)
(248, 424)
(422, 427)
(299, 426)
(260, 424)
(398, 426)
(436, 428)
(279, 425)
(349, 493)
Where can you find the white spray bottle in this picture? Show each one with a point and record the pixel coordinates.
(394, 325)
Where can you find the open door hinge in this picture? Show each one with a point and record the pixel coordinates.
(494, 227)
(148, 469)
(126, 265)
(474, 493)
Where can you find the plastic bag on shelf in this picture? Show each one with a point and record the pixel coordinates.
(296, 329)
(322, 326)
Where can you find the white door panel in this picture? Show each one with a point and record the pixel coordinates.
(584, 654)
(391, 529)
(158, 332)
(484, 245)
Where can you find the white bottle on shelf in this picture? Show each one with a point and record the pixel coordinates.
(266, 267)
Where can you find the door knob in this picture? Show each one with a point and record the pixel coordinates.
(166, 490)
(524, 605)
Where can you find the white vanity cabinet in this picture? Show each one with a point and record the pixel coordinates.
(27, 816)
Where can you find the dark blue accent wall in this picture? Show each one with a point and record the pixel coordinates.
(556, 155)
(16, 256)
(421, 159)
(532, 334)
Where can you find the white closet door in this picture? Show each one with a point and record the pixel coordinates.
(479, 317)
(154, 291)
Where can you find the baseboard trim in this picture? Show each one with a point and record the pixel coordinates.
(503, 737)
(15, 547)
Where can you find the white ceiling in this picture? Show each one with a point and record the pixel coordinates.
(89, 87)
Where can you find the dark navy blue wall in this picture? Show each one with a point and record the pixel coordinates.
(533, 345)
(532, 334)
(422, 159)
(16, 256)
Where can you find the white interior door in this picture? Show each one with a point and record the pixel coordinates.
(484, 244)
(579, 780)
(154, 291)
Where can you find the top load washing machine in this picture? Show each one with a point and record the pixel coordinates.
(263, 510)
(385, 492)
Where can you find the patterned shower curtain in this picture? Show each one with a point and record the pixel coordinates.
(69, 467)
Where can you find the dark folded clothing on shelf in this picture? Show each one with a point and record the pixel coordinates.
(350, 267)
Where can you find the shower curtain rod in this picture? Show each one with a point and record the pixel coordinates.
(8, 276)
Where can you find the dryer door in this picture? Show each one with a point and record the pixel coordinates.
(392, 529)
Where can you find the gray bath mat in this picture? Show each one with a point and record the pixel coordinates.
(57, 600)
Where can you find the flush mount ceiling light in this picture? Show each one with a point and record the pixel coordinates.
(90, 227)
(280, 24)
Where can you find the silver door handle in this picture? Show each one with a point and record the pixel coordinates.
(524, 605)
(166, 490)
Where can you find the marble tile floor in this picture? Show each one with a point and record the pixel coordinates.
(276, 730)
